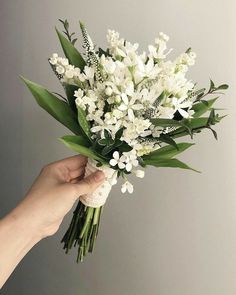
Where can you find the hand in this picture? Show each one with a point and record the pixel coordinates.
(54, 192)
(41, 212)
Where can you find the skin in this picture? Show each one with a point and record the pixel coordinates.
(40, 213)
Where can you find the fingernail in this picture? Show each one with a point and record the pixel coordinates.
(99, 176)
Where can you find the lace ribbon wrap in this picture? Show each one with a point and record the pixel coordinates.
(99, 196)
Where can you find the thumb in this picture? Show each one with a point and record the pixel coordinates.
(90, 183)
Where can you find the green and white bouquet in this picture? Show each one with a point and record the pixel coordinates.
(126, 110)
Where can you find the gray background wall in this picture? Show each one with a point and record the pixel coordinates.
(177, 234)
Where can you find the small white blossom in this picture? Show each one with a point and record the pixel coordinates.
(130, 160)
(180, 105)
(117, 160)
(127, 186)
(129, 106)
(139, 173)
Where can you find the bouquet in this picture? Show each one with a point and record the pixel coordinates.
(126, 110)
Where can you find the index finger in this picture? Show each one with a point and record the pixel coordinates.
(74, 162)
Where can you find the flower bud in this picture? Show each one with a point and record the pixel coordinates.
(108, 91)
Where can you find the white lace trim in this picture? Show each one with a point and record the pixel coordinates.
(99, 196)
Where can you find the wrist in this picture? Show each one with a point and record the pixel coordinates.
(18, 239)
(18, 221)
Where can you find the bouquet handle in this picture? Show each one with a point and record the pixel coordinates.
(84, 226)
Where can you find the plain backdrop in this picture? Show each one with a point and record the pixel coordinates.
(176, 235)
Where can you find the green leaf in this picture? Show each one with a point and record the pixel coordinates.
(83, 122)
(119, 133)
(165, 122)
(70, 90)
(171, 163)
(223, 87)
(57, 108)
(77, 144)
(76, 139)
(167, 151)
(167, 139)
(71, 52)
(107, 149)
(202, 107)
(212, 86)
(124, 147)
(194, 124)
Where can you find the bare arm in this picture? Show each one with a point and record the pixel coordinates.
(41, 212)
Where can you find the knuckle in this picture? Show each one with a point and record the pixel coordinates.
(89, 180)
(46, 168)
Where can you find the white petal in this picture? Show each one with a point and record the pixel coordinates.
(122, 107)
(128, 167)
(125, 98)
(116, 155)
(139, 173)
(183, 113)
(150, 65)
(114, 179)
(131, 114)
(130, 187)
(96, 128)
(123, 188)
(137, 107)
(135, 163)
(113, 162)
(121, 165)
(186, 104)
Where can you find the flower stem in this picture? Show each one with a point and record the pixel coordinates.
(83, 230)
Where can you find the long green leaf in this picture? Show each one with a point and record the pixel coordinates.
(70, 90)
(167, 151)
(83, 122)
(171, 163)
(165, 122)
(71, 52)
(76, 144)
(202, 107)
(54, 106)
(194, 124)
(76, 139)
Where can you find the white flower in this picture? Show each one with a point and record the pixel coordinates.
(145, 148)
(69, 74)
(156, 131)
(158, 51)
(127, 186)
(164, 37)
(117, 160)
(79, 95)
(60, 69)
(53, 60)
(149, 69)
(113, 38)
(166, 112)
(88, 73)
(187, 58)
(180, 105)
(130, 160)
(139, 173)
(108, 64)
(108, 91)
(129, 106)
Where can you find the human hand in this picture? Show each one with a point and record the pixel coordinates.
(54, 192)
(41, 212)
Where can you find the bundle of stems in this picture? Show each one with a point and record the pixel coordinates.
(83, 230)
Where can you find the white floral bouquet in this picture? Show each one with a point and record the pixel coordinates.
(126, 110)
